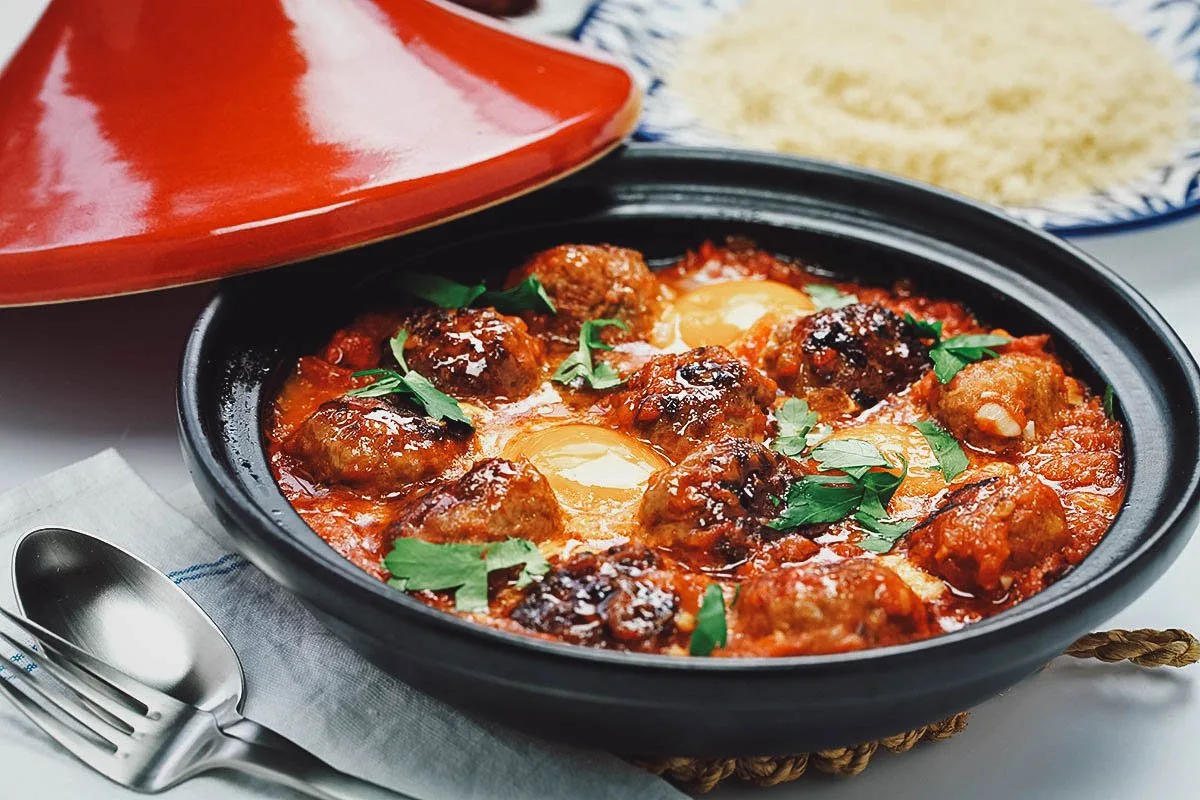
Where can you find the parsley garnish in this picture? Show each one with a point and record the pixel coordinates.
(795, 420)
(952, 461)
(927, 329)
(882, 534)
(951, 355)
(878, 488)
(860, 493)
(955, 353)
(815, 499)
(852, 456)
(825, 296)
(442, 291)
(1109, 402)
(710, 631)
(818, 434)
(528, 295)
(579, 367)
(416, 565)
(412, 384)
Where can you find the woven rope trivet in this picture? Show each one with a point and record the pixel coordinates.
(1144, 647)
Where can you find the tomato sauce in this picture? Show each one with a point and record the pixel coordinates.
(667, 484)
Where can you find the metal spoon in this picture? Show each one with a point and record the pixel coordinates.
(128, 614)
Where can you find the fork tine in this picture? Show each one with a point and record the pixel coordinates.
(58, 701)
(134, 691)
(121, 716)
(89, 752)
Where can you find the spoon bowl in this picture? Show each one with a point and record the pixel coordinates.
(125, 612)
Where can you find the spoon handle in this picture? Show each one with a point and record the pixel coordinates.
(256, 750)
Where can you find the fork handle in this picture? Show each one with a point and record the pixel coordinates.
(257, 750)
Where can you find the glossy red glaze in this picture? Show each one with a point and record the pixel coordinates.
(146, 144)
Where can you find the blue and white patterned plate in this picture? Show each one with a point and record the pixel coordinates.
(644, 34)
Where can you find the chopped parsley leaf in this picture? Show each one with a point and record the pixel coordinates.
(852, 456)
(578, 368)
(926, 329)
(953, 354)
(528, 295)
(882, 534)
(816, 499)
(795, 421)
(878, 488)
(411, 384)
(442, 291)
(825, 296)
(396, 344)
(818, 434)
(949, 356)
(417, 565)
(872, 516)
(513, 552)
(859, 493)
(710, 631)
(437, 404)
(952, 461)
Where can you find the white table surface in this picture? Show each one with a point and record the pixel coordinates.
(77, 378)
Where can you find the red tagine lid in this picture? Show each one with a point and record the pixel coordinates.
(146, 144)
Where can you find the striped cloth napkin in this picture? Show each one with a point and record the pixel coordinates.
(301, 680)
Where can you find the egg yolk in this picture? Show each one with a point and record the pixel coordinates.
(721, 312)
(589, 467)
(923, 477)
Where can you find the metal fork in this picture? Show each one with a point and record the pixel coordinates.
(146, 740)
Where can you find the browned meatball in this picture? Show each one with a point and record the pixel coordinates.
(494, 500)
(593, 282)
(374, 445)
(828, 608)
(473, 353)
(678, 401)
(715, 502)
(616, 599)
(863, 351)
(1003, 403)
(992, 534)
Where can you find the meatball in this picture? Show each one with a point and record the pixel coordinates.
(716, 501)
(1084, 451)
(678, 401)
(473, 352)
(1003, 403)
(496, 499)
(830, 608)
(616, 599)
(374, 445)
(992, 534)
(357, 345)
(863, 351)
(593, 282)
